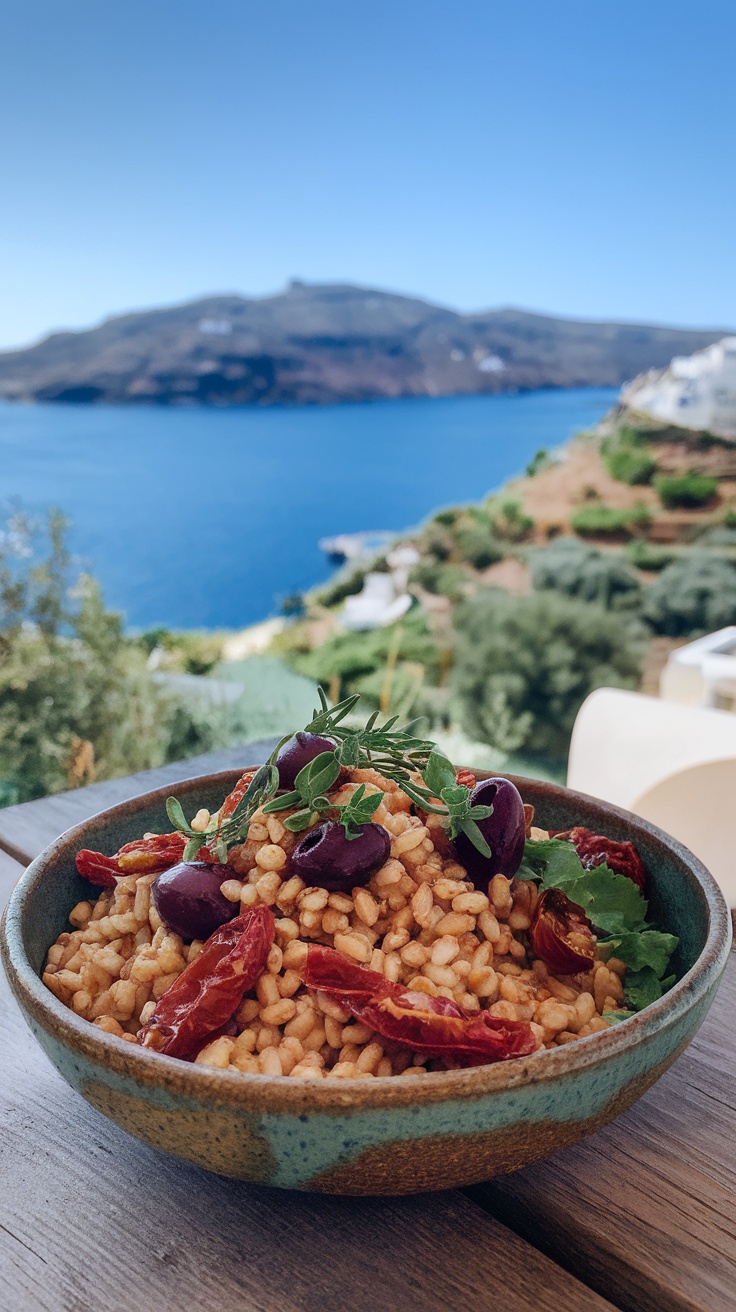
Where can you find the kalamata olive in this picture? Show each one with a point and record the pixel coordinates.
(188, 898)
(298, 752)
(504, 831)
(328, 858)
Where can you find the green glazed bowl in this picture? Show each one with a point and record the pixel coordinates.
(381, 1136)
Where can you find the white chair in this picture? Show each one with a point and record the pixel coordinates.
(672, 764)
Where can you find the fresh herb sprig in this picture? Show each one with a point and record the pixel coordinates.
(396, 752)
(463, 817)
(221, 836)
(308, 794)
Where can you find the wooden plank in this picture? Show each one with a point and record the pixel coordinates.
(646, 1209)
(91, 1220)
(26, 829)
(10, 873)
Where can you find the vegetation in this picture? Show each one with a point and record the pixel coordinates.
(695, 594)
(600, 520)
(627, 458)
(76, 698)
(685, 491)
(444, 580)
(509, 521)
(347, 582)
(187, 652)
(345, 662)
(646, 555)
(540, 461)
(477, 545)
(524, 666)
(437, 540)
(578, 570)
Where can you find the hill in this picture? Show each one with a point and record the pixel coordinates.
(326, 343)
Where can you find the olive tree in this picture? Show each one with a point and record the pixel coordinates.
(529, 663)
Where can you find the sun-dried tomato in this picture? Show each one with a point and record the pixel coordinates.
(465, 777)
(433, 1027)
(209, 991)
(561, 934)
(236, 795)
(144, 856)
(595, 850)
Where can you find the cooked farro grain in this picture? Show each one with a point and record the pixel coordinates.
(418, 921)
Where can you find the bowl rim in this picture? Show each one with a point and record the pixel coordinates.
(273, 1093)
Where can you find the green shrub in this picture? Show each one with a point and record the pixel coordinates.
(571, 567)
(600, 520)
(685, 491)
(537, 463)
(444, 580)
(627, 459)
(645, 555)
(436, 540)
(628, 465)
(347, 658)
(293, 606)
(509, 521)
(477, 545)
(695, 594)
(532, 661)
(447, 516)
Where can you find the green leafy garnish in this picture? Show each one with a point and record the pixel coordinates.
(439, 772)
(612, 902)
(642, 987)
(463, 817)
(551, 860)
(359, 811)
(651, 948)
(310, 786)
(617, 910)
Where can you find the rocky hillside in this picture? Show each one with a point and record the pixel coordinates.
(329, 343)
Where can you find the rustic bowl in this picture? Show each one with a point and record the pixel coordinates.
(381, 1136)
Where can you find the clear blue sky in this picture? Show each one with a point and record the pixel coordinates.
(573, 156)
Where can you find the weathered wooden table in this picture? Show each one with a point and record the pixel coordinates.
(641, 1217)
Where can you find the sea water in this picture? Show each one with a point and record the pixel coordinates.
(210, 517)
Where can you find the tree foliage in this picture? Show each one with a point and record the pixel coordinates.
(695, 594)
(532, 661)
(581, 571)
(76, 698)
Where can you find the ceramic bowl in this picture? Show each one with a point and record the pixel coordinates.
(381, 1136)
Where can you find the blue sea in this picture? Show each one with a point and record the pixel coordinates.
(210, 517)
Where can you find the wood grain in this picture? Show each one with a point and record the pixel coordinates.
(10, 873)
(25, 830)
(93, 1221)
(645, 1211)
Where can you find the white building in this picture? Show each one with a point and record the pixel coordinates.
(696, 391)
(703, 673)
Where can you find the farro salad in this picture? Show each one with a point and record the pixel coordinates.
(360, 908)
